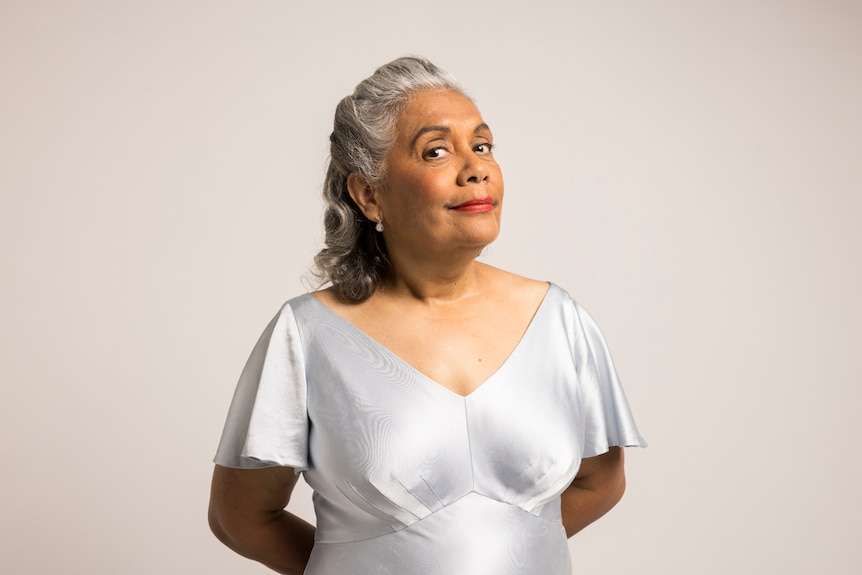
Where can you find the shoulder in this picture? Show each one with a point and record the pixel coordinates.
(293, 315)
(328, 301)
(523, 288)
(555, 298)
(508, 285)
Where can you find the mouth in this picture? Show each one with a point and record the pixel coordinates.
(476, 205)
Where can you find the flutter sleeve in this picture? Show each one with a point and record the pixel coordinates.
(606, 413)
(267, 423)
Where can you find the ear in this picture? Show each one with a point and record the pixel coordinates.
(364, 194)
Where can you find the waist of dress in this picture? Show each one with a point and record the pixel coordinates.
(475, 535)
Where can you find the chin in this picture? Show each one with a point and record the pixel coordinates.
(483, 240)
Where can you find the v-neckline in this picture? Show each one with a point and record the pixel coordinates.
(397, 358)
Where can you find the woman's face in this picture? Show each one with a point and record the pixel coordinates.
(442, 190)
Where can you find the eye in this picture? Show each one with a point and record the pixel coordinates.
(483, 148)
(435, 153)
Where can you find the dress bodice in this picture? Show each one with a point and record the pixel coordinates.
(409, 477)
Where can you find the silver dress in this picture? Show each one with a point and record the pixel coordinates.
(410, 478)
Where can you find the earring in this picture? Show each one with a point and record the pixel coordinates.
(379, 226)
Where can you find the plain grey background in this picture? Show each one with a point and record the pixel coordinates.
(689, 171)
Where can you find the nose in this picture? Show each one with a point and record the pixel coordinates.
(473, 172)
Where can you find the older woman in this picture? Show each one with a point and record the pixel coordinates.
(452, 418)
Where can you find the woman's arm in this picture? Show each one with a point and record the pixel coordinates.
(598, 486)
(247, 514)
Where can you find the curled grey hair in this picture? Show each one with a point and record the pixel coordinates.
(355, 259)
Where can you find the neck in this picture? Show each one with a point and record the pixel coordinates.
(434, 281)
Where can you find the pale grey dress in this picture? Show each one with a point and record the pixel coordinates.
(410, 478)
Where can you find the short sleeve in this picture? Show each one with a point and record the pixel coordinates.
(267, 423)
(606, 413)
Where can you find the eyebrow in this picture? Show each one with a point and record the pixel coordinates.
(445, 130)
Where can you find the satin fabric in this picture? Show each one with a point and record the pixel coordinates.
(411, 478)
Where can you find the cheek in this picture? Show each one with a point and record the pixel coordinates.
(411, 198)
(498, 174)
(426, 191)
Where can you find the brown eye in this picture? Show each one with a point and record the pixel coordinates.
(484, 148)
(434, 153)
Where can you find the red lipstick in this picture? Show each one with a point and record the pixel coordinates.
(476, 205)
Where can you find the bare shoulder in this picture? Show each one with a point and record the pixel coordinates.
(331, 299)
(356, 313)
(515, 288)
(328, 296)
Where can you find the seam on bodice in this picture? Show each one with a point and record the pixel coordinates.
(403, 527)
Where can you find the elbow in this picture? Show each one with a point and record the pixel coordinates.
(616, 477)
(615, 480)
(226, 528)
(217, 526)
(619, 488)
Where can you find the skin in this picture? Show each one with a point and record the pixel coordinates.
(598, 486)
(246, 513)
(442, 158)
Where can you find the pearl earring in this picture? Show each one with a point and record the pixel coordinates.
(379, 226)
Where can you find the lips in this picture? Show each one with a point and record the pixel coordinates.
(476, 205)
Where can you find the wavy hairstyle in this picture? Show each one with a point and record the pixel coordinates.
(355, 258)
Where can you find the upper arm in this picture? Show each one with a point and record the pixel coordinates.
(598, 486)
(239, 498)
(607, 468)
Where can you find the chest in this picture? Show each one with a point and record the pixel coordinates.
(384, 432)
(389, 446)
(390, 397)
(459, 349)
(456, 354)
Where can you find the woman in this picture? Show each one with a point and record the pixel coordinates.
(452, 418)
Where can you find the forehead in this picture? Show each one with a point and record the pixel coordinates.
(437, 108)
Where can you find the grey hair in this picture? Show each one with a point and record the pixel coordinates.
(355, 258)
